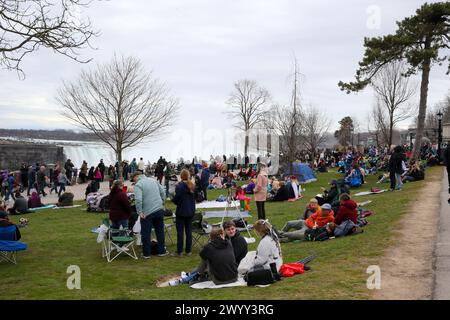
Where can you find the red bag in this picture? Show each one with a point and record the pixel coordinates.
(291, 269)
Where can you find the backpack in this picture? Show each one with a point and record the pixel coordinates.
(355, 179)
(319, 234)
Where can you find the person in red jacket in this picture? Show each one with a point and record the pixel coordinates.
(347, 210)
(119, 206)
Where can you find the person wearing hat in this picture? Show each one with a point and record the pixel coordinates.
(319, 219)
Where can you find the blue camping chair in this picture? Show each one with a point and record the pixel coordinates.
(9, 245)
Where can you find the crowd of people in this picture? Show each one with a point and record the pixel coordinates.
(330, 214)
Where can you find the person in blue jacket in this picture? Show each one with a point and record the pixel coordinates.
(185, 202)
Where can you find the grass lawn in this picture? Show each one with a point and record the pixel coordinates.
(60, 238)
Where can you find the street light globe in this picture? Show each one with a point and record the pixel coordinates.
(439, 115)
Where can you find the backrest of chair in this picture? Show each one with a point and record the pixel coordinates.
(197, 221)
(8, 233)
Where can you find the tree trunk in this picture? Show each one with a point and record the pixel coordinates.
(422, 107)
(120, 168)
(391, 127)
(246, 144)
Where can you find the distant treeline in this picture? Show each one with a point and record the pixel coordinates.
(58, 134)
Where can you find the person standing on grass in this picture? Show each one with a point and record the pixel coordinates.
(396, 169)
(185, 202)
(150, 199)
(260, 191)
(204, 180)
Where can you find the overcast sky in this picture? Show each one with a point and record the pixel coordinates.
(201, 47)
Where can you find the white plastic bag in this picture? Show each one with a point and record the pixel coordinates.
(102, 230)
(137, 226)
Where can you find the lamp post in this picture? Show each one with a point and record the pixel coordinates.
(439, 117)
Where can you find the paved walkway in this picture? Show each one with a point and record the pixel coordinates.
(78, 191)
(441, 263)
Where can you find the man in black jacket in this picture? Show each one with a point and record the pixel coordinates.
(218, 259)
(240, 246)
(396, 168)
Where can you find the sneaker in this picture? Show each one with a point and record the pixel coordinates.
(176, 254)
(357, 230)
(163, 254)
(173, 283)
(146, 257)
(188, 254)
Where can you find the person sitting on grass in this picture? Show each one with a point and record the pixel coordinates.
(249, 189)
(218, 260)
(216, 183)
(91, 188)
(240, 246)
(34, 201)
(317, 220)
(299, 224)
(347, 210)
(5, 221)
(269, 249)
(119, 206)
(415, 173)
(281, 194)
(20, 205)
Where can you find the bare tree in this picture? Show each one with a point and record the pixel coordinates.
(248, 103)
(394, 90)
(315, 127)
(381, 124)
(27, 25)
(120, 102)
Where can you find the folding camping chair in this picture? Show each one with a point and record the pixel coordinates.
(119, 240)
(9, 245)
(200, 230)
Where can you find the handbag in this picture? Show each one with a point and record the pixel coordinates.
(259, 276)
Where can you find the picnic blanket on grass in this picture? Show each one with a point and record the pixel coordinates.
(68, 207)
(210, 285)
(215, 204)
(229, 214)
(369, 193)
(49, 206)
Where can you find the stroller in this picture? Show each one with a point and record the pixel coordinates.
(97, 202)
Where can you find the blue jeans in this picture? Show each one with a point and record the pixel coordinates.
(153, 220)
(62, 186)
(184, 224)
(118, 223)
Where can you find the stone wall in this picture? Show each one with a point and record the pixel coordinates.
(13, 154)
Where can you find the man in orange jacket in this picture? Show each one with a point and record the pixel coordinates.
(319, 219)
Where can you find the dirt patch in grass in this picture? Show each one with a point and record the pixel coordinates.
(406, 268)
